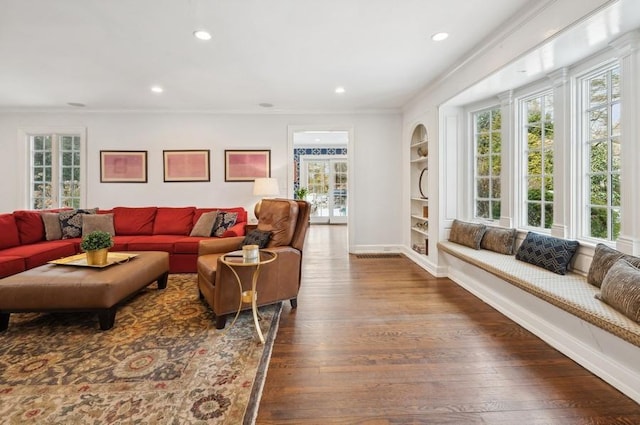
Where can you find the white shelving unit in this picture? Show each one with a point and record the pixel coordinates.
(419, 162)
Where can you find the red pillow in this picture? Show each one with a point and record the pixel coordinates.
(8, 231)
(173, 221)
(134, 220)
(30, 226)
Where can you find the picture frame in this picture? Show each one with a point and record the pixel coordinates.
(246, 165)
(123, 166)
(186, 165)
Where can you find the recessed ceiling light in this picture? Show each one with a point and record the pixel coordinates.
(157, 89)
(439, 36)
(265, 105)
(202, 35)
(340, 90)
(77, 104)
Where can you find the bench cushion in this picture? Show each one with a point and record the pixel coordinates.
(570, 292)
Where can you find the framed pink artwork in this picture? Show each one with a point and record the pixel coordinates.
(186, 166)
(246, 165)
(123, 166)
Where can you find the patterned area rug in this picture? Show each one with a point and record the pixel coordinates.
(163, 362)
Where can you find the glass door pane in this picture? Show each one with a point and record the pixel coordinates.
(338, 201)
(326, 181)
(316, 174)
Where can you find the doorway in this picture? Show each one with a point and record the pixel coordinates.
(326, 180)
(321, 166)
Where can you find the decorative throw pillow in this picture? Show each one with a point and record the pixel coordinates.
(553, 254)
(603, 258)
(621, 289)
(467, 234)
(224, 221)
(256, 237)
(204, 225)
(71, 222)
(102, 222)
(499, 239)
(52, 229)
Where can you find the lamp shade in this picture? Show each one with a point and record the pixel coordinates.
(266, 186)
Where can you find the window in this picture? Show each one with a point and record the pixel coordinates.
(488, 146)
(537, 134)
(601, 141)
(55, 170)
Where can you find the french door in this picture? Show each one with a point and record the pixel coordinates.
(326, 181)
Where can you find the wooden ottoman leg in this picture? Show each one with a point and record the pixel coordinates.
(162, 281)
(107, 318)
(221, 321)
(4, 321)
(294, 302)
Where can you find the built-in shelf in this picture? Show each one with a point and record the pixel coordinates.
(422, 232)
(419, 202)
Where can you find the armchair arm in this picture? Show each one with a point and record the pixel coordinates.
(219, 245)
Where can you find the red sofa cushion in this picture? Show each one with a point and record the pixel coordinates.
(134, 220)
(188, 244)
(173, 221)
(154, 243)
(30, 226)
(11, 265)
(9, 235)
(40, 253)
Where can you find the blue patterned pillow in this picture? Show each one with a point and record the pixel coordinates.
(553, 254)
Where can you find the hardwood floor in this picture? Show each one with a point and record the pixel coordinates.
(381, 341)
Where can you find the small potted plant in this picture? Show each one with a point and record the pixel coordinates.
(96, 244)
(300, 193)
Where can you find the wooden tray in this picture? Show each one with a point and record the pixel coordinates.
(80, 260)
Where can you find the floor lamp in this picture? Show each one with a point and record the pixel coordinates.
(263, 187)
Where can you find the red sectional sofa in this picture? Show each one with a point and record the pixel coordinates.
(23, 243)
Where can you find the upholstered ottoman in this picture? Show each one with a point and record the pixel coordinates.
(54, 287)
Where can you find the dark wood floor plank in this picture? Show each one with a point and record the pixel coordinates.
(381, 341)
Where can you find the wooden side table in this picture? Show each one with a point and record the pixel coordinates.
(235, 260)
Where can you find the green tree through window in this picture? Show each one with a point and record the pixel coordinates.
(602, 140)
(537, 115)
(488, 163)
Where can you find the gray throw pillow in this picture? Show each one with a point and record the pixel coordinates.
(101, 222)
(204, 225)
(621, 289)
(52, 229)
(553, 254)
(603, 258)
(499, 239)
(467, 234)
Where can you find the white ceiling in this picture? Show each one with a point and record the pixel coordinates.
(107, 54)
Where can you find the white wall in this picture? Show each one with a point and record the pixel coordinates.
(376, 158)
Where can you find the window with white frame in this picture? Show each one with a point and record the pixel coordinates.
(55, 170)
(600, 136)
(487, 139)
(537, 139)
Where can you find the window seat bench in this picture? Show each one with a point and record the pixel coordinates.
(561, 310)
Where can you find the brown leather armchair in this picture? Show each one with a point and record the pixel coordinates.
(288, 221)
